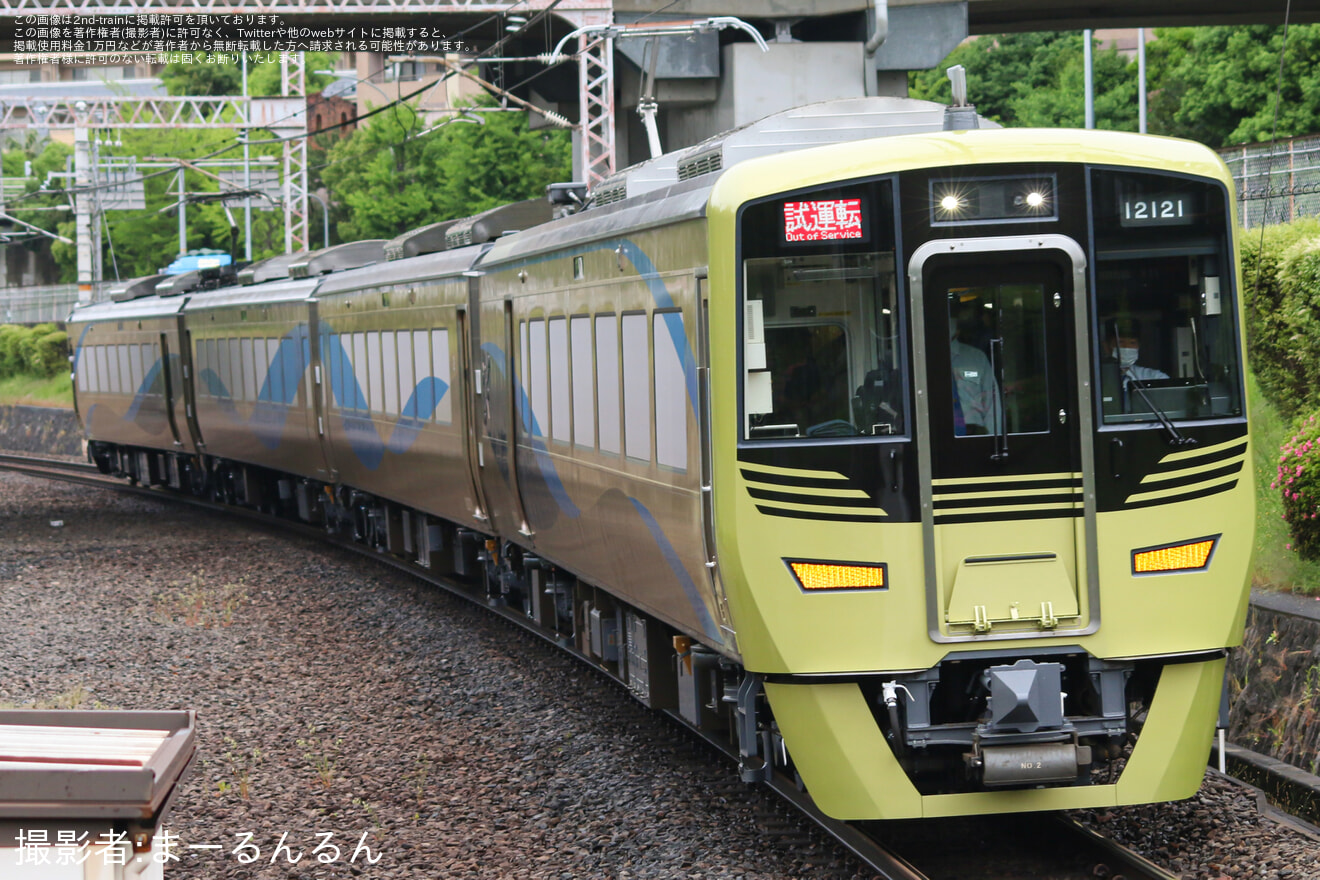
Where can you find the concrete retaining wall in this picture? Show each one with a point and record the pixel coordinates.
(1275, 683)
(40, 430)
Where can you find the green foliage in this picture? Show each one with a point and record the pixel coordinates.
(224, 74)
(200, 79)
(11, 335)
(141, 242)
(1281, 293)
(49, 354)
(24, 390)
(1036, 80)
(1217, 85)
(386, 179)
(1298, 480)
(39, 351)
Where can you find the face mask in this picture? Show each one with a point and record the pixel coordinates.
(1127, 357)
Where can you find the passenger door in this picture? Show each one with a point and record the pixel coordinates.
(1001, 452)
(501, 396)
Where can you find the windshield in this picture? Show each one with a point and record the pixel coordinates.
(821, 354)
(1165, 322)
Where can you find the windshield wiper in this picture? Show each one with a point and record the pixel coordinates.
(1175, 438)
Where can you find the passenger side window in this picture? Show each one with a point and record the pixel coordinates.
(559, 397)
(671, 399)
(584, 414)
(636, 387)
(607, 382)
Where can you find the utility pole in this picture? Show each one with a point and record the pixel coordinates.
(183, 216)
(82, 210)
(1090, 72)
(1141, 80)
(247, 180)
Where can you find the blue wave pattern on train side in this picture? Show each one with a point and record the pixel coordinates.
(549, 475)
(277, 393)
(363, 438)
(78, 347)
(545, 464)
(650, 276)
(279, 390)
(144, 389)
(680, 573)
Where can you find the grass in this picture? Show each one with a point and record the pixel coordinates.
(198, 603)
(1277, 567)
(28, 390)
(76, 697)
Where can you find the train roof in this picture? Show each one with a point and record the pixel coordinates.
(825, 122)
(134, 309)
(284, 290)
(961, 150)
(676, 186)
(443, 264)
(338, 258)
(680, 201)
(270, 268)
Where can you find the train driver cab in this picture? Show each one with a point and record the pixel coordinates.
(822, 352)
(1165, 334)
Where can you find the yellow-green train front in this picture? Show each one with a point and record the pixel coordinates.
(981, 498)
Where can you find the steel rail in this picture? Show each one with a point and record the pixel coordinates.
(1112, 857)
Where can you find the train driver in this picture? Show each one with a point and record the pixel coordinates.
(1122, 347)
(975, 391)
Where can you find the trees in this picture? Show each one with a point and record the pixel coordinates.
(1215, 85)
(1036, 80)
(223, 74)
(386, 178)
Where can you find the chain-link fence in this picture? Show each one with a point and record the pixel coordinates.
(1276, 183)
(34, 305)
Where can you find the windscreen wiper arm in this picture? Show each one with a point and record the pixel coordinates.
(1175, 437)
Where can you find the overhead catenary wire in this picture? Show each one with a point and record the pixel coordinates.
(239, 140)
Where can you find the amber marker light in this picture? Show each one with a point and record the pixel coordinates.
(1186, 556)
(815, 576)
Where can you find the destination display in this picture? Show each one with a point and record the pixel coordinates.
(828, 220)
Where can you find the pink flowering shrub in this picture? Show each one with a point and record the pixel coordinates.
(1298, 480)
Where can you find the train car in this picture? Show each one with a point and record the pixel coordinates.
(910, 461)
(257, 404)
(969, 541)
(130, 392)
(394, 350)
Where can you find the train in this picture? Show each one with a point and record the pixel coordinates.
(905, 454)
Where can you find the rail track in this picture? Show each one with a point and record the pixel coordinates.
(1046, 846)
